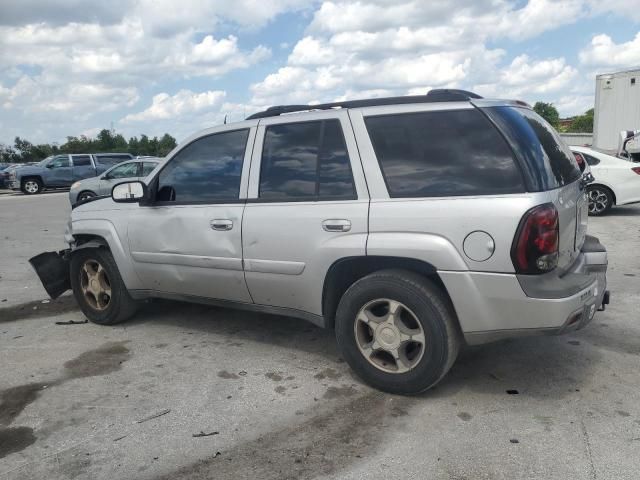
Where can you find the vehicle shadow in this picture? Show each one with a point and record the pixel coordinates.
(238, 326)
(623, 211)
(539, 367)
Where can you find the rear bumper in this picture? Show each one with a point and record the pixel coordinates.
(492, 306)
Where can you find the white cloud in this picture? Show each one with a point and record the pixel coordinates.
(604, 52)
(183, 103)
(66, 68)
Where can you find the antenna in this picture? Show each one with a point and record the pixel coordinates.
(225, 118)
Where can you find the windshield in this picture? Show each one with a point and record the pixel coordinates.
(42, 163)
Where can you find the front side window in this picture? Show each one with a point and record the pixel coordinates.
(60, 161)
(443, 153)
(127, 170)
(305, 161)
(206, 170)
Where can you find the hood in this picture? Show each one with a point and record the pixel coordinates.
(26, 170)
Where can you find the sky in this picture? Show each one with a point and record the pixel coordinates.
(73, 67)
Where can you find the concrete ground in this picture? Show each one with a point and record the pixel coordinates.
(186, 391)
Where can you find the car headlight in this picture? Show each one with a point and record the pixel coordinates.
(75, 185)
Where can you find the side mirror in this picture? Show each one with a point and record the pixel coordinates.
(49, 165)
(129, 192)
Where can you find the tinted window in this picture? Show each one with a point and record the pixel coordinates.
(307, 160)
(147, 168)
(206, 170)
(591, 160)
(124, 171)
(60, 161)
(81, 160)
(548, 161)
(443, 153)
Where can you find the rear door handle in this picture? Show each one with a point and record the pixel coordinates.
(221, 224)
(336, 225)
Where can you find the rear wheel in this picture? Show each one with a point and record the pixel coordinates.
(31, 186)
(398, 331)
(98, 288)
(600, 199)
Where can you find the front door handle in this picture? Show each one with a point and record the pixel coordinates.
(221, 224)
(336, 225)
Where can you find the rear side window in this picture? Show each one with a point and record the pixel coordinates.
(147, 168)
(206, 170)
(81, 160)
(591, 160)
(443, 153)
(550, 163)
(305, 161)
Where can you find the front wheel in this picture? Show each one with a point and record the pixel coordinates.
(85, 195)
(31, 186)
(397, 330)
(98, 288)
(600, 200)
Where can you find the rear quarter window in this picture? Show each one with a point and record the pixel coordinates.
(549, 161)
(443, 153)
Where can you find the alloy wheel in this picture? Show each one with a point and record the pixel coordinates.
(95, 285)
(31, 186)
(389, 336)
(598, 200)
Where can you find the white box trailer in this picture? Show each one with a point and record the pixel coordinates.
(617, 107)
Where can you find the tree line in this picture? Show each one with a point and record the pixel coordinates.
(106, 141)
(578, 124)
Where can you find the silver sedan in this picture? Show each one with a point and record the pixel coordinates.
(102, 184)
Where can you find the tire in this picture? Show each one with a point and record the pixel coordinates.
(601, 200)
(82, 196)
(100, 308)
(423, 306)
(31, 186)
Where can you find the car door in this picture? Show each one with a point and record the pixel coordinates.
(59, 172)
(188, 241)
(82, 167)
(307, 208)
(119, 173)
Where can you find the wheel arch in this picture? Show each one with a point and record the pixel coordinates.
(345, 271)
(94, 233)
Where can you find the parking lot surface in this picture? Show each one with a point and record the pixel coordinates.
(189, 391)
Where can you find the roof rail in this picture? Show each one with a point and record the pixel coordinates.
(435, 95)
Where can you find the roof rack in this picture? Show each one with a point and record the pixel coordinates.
(435, 95)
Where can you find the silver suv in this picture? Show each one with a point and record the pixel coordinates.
(408, 225)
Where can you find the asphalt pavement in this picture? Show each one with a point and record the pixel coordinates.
(189, 391)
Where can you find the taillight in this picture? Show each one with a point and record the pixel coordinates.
(535, 247)
(636, 170)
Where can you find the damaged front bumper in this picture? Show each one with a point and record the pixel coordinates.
(53, 269)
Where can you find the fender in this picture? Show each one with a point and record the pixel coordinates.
(432, 249)
(108, 236)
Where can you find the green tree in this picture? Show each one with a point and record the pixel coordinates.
(143, 145)
(167, 143)
(548, 112)
(582, 123)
